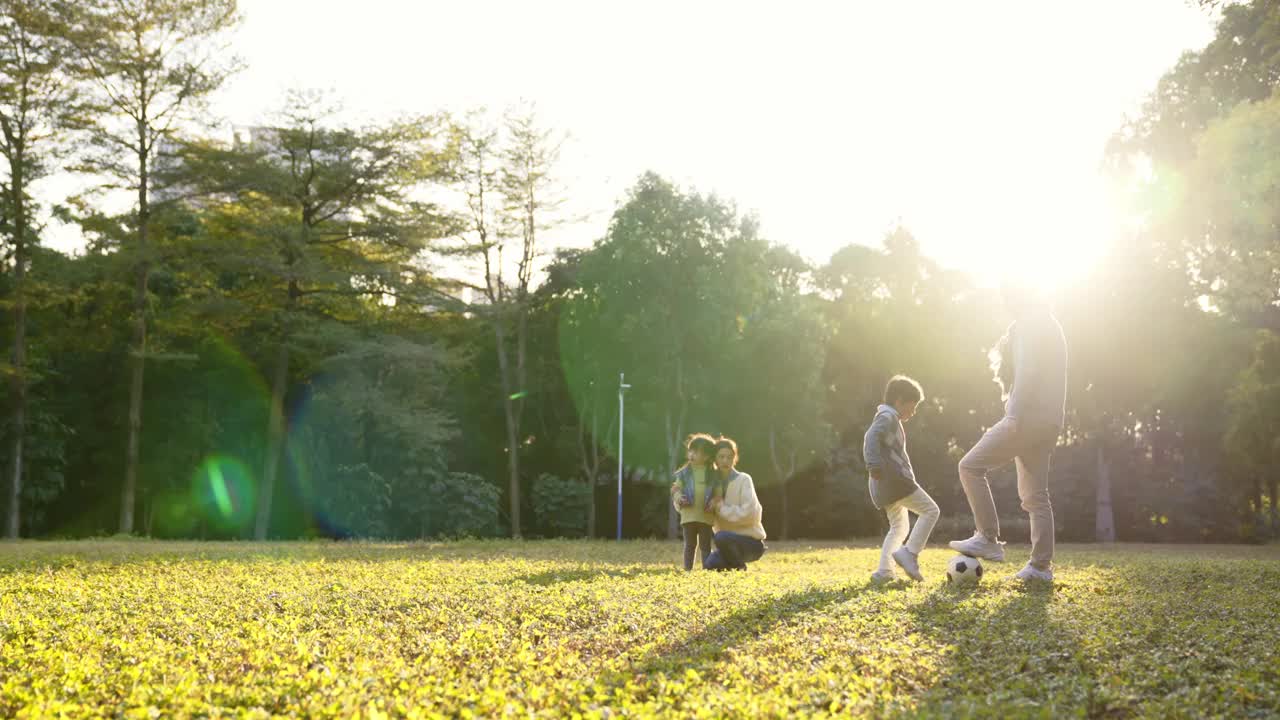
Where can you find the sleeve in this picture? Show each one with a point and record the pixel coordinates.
(874, 440)
(748, 507)
(1027, 367)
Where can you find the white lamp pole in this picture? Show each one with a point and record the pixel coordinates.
(622, 408)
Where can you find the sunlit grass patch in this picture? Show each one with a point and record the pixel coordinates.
(601, 629)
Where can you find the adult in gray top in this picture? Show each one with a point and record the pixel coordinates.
(1035, 409)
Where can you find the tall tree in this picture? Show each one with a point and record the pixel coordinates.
(781, 393)
(655, 287)
(37, 103)
(1201, 149)
(1230, 213)
(588, 367)
(1201, 154)
(331, 211)
(512, 198)
(1253, 433)
(149, 64)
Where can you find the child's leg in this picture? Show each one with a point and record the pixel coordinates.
(922, 505)
(704, 541)
(898, 523)
(690, 543)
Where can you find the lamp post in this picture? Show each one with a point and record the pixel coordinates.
(622, 388)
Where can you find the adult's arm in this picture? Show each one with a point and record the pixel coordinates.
(748, 505)
(1028, 367)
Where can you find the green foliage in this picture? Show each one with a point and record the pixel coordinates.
(295, 328)
(560, 505)
(1230, 198)
(1201, 154)
(45, 461)
(1239, 65)
(462, 505)
(616, 630)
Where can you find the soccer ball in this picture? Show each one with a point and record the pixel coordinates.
(964, 570)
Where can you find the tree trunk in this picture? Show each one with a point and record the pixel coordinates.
(786, 496)
(13, 526)
(513, 430)
(589, 455)
(138, 361)
(275, 442)
(591, 508)
(1275, 514)
(786, 514)
(779, 477)
(674, 436)
(592, 474)
(521, 384)
(1104, 519)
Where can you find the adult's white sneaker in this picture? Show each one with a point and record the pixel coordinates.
(1031, 572)
(980, 547)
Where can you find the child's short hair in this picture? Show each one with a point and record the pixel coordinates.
(726, 443)
(902, 389)
(702, 442)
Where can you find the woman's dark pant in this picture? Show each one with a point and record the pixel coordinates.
(696, 535)
(733, 552)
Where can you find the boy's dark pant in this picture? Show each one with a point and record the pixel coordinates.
(733, 552)
(696, 534)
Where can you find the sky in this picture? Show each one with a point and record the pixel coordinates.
(979, 126)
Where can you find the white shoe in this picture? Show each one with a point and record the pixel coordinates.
(980, 547)
(881, 577)
(1031, 572)
(909, 563)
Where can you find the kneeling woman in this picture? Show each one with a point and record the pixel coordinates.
(739, 536)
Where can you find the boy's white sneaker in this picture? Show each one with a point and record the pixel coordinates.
(1031, 572)
(909, 563)
(980, 547)
(881, 577)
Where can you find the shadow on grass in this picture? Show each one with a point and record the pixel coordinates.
(704, 649)
(553, 577)
(1005, 656)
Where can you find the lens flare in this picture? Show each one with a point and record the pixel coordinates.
(223, 488)
(218, 484)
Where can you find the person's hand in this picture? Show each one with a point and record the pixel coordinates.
(716, 503)
(875, 474)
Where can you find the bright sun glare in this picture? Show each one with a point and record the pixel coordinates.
(1064, 248)
(828, 121)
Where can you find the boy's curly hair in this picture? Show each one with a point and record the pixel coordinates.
(901, 388)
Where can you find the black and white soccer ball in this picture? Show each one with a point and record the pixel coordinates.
(964, 570)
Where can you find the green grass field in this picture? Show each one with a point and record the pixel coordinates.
(561, 628)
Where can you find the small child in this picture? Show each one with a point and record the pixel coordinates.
(893, 482)
(693, 494)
